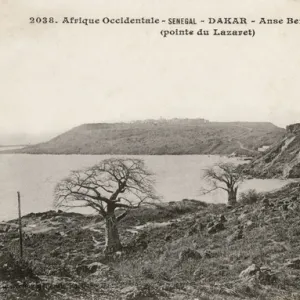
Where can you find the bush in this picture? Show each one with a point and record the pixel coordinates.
(14, 268)
(249, 197)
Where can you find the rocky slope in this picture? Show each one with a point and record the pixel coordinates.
(181, 251)
(187, 136)
(282, 159)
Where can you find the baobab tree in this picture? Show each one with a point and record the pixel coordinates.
(224, 176)
(112, 184)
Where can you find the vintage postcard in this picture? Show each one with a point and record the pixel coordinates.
(149, 150)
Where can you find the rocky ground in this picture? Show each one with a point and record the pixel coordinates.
(182, 250)
(281, 160)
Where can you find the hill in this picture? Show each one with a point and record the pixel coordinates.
(177, 136)
(179, 250)
(282, 159)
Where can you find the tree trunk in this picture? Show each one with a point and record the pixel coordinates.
(232, 193)
(112, 239)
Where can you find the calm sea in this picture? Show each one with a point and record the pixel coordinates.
(35, 176)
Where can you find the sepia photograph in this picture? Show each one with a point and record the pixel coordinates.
(149, 150)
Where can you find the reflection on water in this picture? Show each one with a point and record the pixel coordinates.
(35, 176)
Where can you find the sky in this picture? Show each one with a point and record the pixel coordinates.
(55, 77)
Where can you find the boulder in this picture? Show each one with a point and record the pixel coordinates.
(293, 206)
(237, 235)
(143, 292)
(92, 268)
(168, 237)
(222, 219)
(249, 272)
(263, 275)
(198, 273)
(128, 292)
(294, 198)
(242, 216)
(207, 254)
(249, 224)
(194, 229)
(56, 252)
(285, 205)
(294, 263)
(46, 215)
(189, 253)
(219, 226)
(266, 276)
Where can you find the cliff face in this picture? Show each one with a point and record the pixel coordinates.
(294, 129)
(282, 159)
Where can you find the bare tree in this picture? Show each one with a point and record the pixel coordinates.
(225, 176)
(115, 183)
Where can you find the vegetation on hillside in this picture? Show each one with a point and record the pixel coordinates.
(178, 250)
(162, 137)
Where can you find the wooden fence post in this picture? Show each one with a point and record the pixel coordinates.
(20, 226)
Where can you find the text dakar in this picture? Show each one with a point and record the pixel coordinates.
(227, 21)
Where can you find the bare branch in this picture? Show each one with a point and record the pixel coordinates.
(102, 184)
(225, 176)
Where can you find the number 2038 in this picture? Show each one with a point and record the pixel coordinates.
(42, 20)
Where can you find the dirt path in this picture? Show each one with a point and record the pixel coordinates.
(245, 148)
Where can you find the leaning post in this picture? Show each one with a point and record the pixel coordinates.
(20, 226)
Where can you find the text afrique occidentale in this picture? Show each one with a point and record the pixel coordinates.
(169, 21)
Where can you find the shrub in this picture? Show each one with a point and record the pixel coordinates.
(249, 197)
(14, 268)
